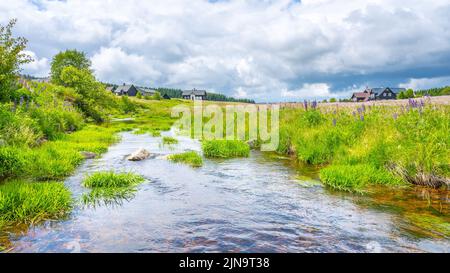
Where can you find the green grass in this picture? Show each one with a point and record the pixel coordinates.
(28, 202)
(169, 140)
(369, 146)
(225, 148)
(109, 179)
(356, 178)
(191, 158)
(109, 188)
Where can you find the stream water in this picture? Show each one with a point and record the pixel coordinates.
(255, 204)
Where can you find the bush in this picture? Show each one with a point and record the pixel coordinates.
(225, 148)
(191, 158)
(157, 96)
(127, 105)
(32, 202)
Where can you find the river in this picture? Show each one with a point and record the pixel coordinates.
(256, 204)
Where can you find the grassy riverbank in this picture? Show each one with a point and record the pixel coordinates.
(369, 145)
(45, 138)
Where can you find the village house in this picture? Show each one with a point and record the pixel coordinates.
(146, 91)
(387, 93)
(127, 90)
(194, 94)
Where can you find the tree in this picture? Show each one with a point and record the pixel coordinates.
(409, 94)
(73, 58)
(93, 99)
(139, 95)
(332, 100)
(401, 95)
(11, 58)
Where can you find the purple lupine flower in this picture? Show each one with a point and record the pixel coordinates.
(334, 122)
(363, 107)
(361, 117)
(305, 103)
(354, 113)
(21, 100)
(395, 116)
(422, 103)
(314, 104)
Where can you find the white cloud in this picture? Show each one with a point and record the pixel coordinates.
(314, 90)
(115, 65)
(262, 48)
(426, 83)
(39, 66)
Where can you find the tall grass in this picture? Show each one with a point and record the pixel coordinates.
(33, 202)
(191, 158)
(371, 144)
(110, 188)
(225, 148)
(111, 179)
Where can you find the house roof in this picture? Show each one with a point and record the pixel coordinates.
(397, 90)
(145, 91)
(361, 95)
(123, 88)
(380, 90)
(194, 92)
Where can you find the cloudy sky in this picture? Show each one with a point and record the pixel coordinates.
(266, 50)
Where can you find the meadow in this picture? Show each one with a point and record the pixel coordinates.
(369, 145)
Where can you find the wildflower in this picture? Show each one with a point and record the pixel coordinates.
(361, 117)
(395, 116)
(334, 122)
(305, 103)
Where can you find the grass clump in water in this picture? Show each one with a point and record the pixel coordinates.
(191, 158)
(31, 202)
(112, 180)
(354, 178)
(110, 188)
(225, 148)
(169, 140)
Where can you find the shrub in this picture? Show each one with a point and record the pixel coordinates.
(225, 148)
(191, 158)
(32, 202)
(157, 96)
(127, 105)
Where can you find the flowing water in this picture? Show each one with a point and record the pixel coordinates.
(256, 204)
